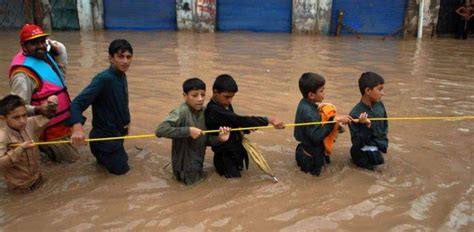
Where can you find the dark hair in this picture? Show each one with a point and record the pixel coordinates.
(369, 80)
(119, 46)
(310, 82)
(225, 83)
(193, 84)
(10, 103)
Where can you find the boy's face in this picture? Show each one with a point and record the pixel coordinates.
(121, 60)
(195, 99)
(317, 96)
(223, 98)
(375, 94)
(17, 118)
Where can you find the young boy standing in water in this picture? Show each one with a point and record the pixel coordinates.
(229, 157)
(184, 125)
(20, 164)
(108, 95)
(369, 139)
(311, 152)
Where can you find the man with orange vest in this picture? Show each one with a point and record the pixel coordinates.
(34, 76)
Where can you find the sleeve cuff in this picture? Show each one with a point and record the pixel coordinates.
(30, 110)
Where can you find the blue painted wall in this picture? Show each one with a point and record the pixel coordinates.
(140, 14)
(254, 15)
(378, 17)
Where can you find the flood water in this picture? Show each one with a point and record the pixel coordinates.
(426, 184)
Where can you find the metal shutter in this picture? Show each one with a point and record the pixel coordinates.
(140, 14)
(376, 17)
(252, 15)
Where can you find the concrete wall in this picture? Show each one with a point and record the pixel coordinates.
(430, 18)
(97, 14)
(90, 14)
(311, 16)
(84, 13)
(45, 15)
(184, 14)
(196, 15)
(205, 17)
(324, 16)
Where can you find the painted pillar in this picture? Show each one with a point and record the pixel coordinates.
(324, 16)
(311, 16)
(430, 17)
(421, 10)
(184, 14)
(305, 16)
(205, 16)
(84, 13)
(43, 14)
(97, 14)
(197, 15)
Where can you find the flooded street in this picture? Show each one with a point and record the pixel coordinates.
(426, 184)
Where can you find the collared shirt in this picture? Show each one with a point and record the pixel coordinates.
(311, 137)
(376, 135)
(187, 153)
(108, 95)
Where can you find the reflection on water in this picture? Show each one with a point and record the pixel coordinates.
(426, 184)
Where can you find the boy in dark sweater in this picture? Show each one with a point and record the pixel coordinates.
(230, 156)
(369, 139)
(310, 152)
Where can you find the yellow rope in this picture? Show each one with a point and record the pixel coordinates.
(451, 118)
(95, 139)
(355, 120)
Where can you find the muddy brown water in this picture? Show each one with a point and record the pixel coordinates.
(426, 184)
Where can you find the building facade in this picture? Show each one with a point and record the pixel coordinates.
(374, 17)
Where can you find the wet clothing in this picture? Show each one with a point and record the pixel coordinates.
(21, 167)
(187, 154)
(108, 95)
(34, 80)
(110, 154)
(310, 153)
(49, 81)
(328, 111)
(230, 156)
(368, 144)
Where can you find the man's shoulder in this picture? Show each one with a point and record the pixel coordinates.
(211, 107)
(301, 104)
(359, 106)
(3, 135)
(104, 75)
(179, 112)
(304, 106)
(381, 103)
(382, 106)
(182, 107)
(19, 74)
